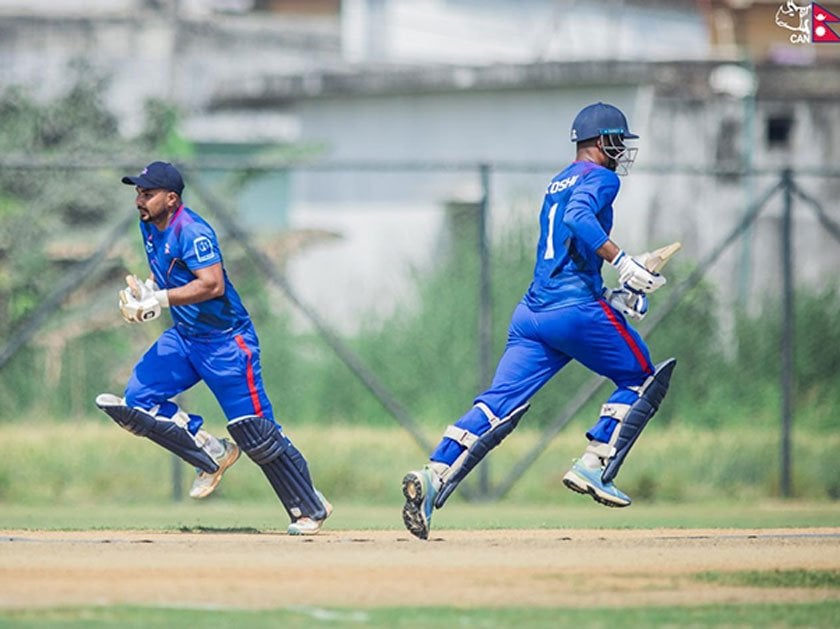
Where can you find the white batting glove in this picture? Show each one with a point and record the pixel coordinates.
(139, 302)
(149, 284)
(633, 275)
(632, 305)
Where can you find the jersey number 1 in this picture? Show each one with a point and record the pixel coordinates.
(549, 241)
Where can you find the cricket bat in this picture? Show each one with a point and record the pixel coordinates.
(654, 262)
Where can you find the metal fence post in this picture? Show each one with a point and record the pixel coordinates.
(786, 347)
(177, 479)
(485, 310)
(177, 467)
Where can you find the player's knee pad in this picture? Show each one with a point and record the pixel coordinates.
(163, 431)
(281, 462)
(477, 447)
(636, 417)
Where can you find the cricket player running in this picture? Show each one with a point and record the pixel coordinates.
(566, 314)
(212, 339)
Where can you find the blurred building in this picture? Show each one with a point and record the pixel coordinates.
(467, 32)
(171, 49)
(702, 124)
(400, 100)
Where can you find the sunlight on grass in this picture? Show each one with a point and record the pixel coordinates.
(775, 578)
(823, 614)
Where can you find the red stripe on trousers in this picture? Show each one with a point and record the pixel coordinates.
(637, 352)
(255, 396)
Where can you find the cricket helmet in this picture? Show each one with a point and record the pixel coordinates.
(607, 122)
(600, 119)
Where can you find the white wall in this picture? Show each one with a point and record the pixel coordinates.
(517, 31)
(654, 207)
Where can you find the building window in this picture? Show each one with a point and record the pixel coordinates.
(778, 131)
(728, 148)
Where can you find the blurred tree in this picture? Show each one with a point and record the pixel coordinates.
(38, 204)
(161, 131)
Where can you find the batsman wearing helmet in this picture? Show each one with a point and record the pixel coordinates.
(213, 340)
(566, 314)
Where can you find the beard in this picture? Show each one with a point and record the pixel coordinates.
(145, 215)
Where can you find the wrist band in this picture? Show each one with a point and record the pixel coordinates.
(163, 298)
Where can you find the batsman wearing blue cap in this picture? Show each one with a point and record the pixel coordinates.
(566, 314)
(213, 340)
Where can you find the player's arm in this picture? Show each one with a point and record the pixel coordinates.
(209, 283)
(594, 192)
(632, 272)
(608, 251)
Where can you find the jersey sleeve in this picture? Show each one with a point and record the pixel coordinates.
(199, 246)
(597, 190)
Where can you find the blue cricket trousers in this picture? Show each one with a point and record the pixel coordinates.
(540, 344)
(228, 362)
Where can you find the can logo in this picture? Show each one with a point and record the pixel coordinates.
(810, 23)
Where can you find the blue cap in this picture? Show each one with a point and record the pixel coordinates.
(599, 119)
(158, 175)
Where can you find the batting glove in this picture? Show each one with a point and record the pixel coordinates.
(139, 301)
(632, 305)
(633, 275)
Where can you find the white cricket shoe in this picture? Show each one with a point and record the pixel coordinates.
(205, 483)
(307, 525)
(586, 480)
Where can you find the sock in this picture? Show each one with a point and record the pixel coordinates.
(210, 444)
(438, 469)
(591, 460)
(595, 455)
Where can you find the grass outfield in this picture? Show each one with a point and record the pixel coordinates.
(90, 460)
(220, 515)
(823, 614)
(111, 481)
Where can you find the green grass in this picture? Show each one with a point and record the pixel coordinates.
(90, 460)
(822, 614)
(66, 496)
(222, 515)
(775, 578)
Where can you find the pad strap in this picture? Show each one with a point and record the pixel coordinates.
(490, 415)
(614, 410)
(460, 435)
(469, 458)
(464, 437)
(617, 412)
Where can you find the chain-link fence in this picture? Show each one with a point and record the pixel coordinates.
(382, 292)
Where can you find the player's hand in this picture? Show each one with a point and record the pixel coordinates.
(138, 301)
(150, 285)
(633, 275)
(632, 305)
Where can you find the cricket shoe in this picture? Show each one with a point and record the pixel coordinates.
(205, 483)
(587, 480)
(419, 489)
(310, 526)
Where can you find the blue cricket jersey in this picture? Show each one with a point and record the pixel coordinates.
(575, 220)
(189, 243)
